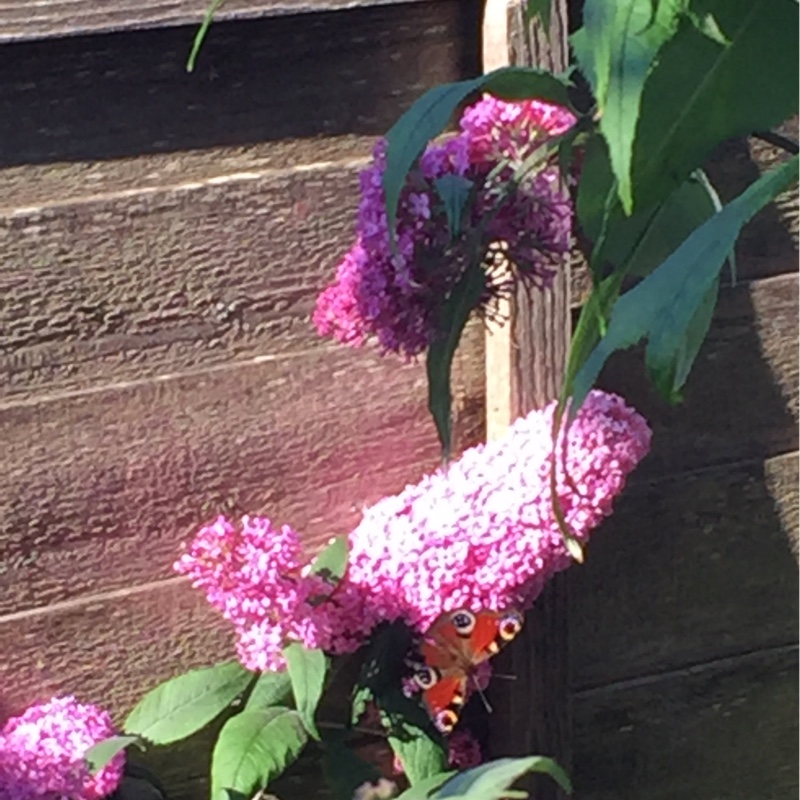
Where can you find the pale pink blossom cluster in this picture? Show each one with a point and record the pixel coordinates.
(42, 753)
(254, 574)
(480, 535)
(396, 294)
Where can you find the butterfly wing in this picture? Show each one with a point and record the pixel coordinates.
(455, 643)
(444, 685)
(470, 638)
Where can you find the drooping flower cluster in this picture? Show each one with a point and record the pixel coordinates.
(483, 534)
(480, 535)
(42, 753)
(456, 201)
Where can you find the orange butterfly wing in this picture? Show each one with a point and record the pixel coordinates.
(454, 644)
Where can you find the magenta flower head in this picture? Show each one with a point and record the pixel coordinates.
(483, 534)
(42, 753)
(480, 535)
(396, 295)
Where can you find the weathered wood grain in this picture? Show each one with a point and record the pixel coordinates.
(98, 488)
(19, 20)
(741, 400)
(110, 649)
(165, 280)
(723, 730)
(292, 77)
(690, 568)
(63, 184)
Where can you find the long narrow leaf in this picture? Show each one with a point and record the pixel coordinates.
(620, 42)
(201, 33)
(307, 669)
(663, 306)
(455, 313)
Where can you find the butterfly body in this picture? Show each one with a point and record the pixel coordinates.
(453, 646)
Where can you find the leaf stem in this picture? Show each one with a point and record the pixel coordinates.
(775, 139)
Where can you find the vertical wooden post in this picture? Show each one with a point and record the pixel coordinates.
(525, 360)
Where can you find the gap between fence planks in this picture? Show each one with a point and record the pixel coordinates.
(525, 359)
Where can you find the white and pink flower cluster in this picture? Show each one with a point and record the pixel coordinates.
(480, 535)
(42, 753)
(396, 295)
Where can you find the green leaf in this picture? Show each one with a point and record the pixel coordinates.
(669, 360)
(620, 41)
(645, 239)
(270, 689)
(344, 770)
(454, 191)
(423, 790)
(664, 307)
(701, 92)
(421, 755)
(101, 753)
(254, 748)
(201, 33)
(464, 297)
(330, 565)
(307, 669)
(429, 116)
(183, 705)
(492, 781)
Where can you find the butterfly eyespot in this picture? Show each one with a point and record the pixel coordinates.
(446, 720)
(463, 622)
(426, 677)
(510, 626)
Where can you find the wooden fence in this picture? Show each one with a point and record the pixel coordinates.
(163, 237)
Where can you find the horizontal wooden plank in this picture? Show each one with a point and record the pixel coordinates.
(689, 568)
(727, 730)
(741, 400)
(98, 489)
(19, 20)
(326, 74)
(32, 187)
(137, 284)
(109, 650)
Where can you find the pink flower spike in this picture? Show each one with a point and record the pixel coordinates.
(483, 534)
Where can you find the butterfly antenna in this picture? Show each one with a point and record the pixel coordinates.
(486, 705)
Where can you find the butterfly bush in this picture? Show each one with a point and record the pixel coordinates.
(42, 753)
(396, 294)
(480, 535)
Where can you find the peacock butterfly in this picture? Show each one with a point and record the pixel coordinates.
(456, 643)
